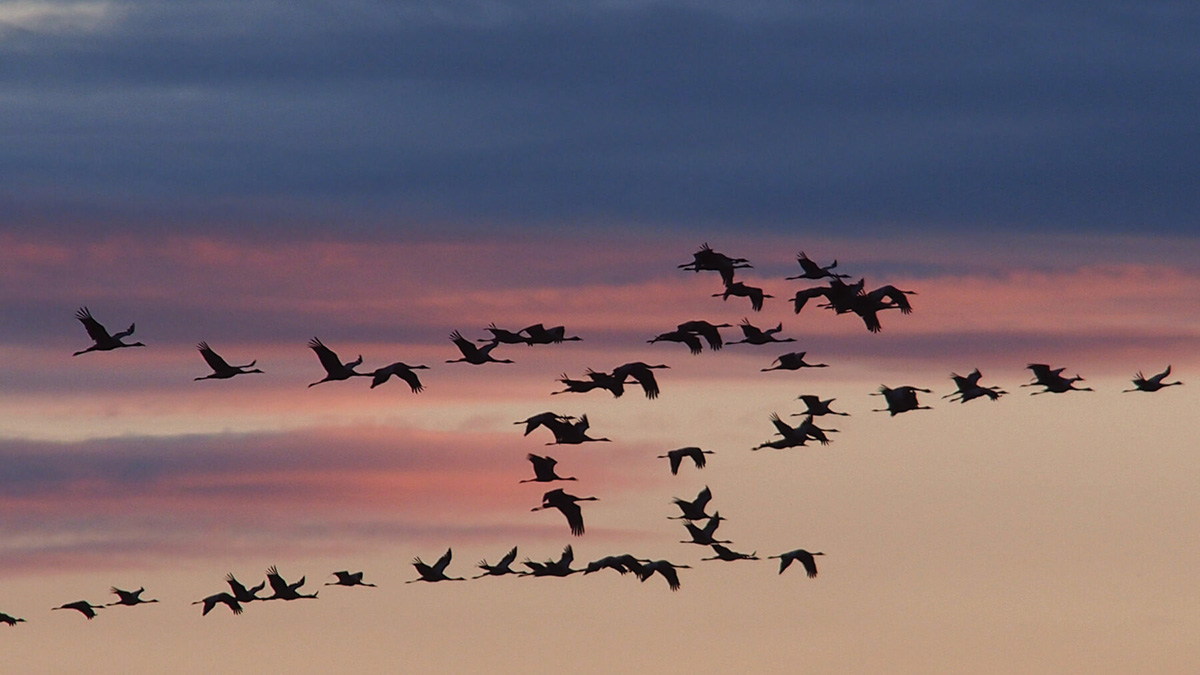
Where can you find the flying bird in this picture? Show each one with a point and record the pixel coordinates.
(642, 373)
(624, 564)
(504, 336)
(817, 407)
(798, 436)
(345, 578)
(8, 619)
(402, 371)
(694, 510)
(128, 598)
(553, 568)
(546, 419)
(1052, 380)
(709, 331)
(969, 388)
(103, 341)
(540, 335)
(222, 598)
(543, 470)
(793, 361)
(335, 370)
(704, 536)
(568, 505)
(501, 568)
(726, 554)
(803, 557)
(692, 340)
(708, 259)
(664, 569)
(692, 452)
(83, 607)
(571, 432)
(900, 399)
(283, 589)
(741, 290)
(434, 572)
(241, 593)
(812, 270)
(753, 335)
(221, 369)
(1143, 383)
(472, 354)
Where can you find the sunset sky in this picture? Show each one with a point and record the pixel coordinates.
(379, 174)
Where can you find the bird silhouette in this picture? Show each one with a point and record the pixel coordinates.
(803, 557)
(546, 419)
(346, 578)
(568, 505)
(695, 509)
(793, 361)
(83, 607)
(284, 590)
(642, 373)
(221, 369)
(753, 335)
(677, 456)
(817, 407)
(709, 331)
(222, 598)
(596, 380)
(1151, 384)
(900, 399)
(241, 593)
(401, 370)
(103, 341)
(434, 572)
(692, 340)
(708, 259)
(572, 432)
(543, 470)
(791, 437)
(726, 554)
(704, 535)
(664, 569)
(504, 336)
(553, 568)
(812, 270)
(472, 354)
(335, 370)
(1052, 380)
(9, 619)
(501, 568)
(540, 335)
(129, 598)
(969, 388)
(624, 564)
(741, 290)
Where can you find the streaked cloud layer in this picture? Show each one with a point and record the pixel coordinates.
(373, 115)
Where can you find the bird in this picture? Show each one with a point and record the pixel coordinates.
(595, 381)
(642, 373)
(817, 407)
(223, 598)
(969, 388)
(723, 553)
(10, 620)
(241, 593)
(284, 590)
(103, 341)
(708, 259)
(1151, 384)
(504, 336)
(797, 436)
(804, 557)
(900, 399)
(546, 419)
(345, 578)
(553, 568)
(624, 564)
(677, 456)
(221, 369)
(472, 354)
(401, 370)
(572, 432)
(434, 572)
(543, 470)
(704, 535)
(83, 607)
(741, 290)
(568, 505)
(753, 335)
(540, 335)
(793, 361)
(709, 331)
(129, 598)
(501, 568)
(1053, 380)
(692, 340)
(812, 270)
(335, 370)
(665, 569)
(694, 510)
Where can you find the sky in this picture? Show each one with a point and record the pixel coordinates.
(379, 174)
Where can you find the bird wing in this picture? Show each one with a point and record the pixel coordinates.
(574, 516)
(93, 327)
(675, 456)
(443, 562)
(329, 360)
(508, 558)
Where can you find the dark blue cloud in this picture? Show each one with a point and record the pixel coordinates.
(1071, 115)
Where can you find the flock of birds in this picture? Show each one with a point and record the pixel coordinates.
(701, 526)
